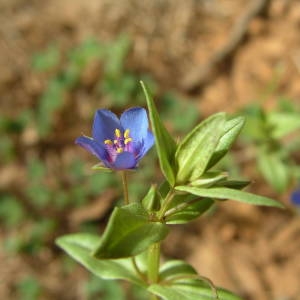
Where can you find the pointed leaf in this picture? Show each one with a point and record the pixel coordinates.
(194, 152)
(209, 179)
(233, 184)
(231, 130)
(177, 283)
(164, 189)
(226, 193)
(129, 232)
(174, 268)
(190, 289)
(164, 143)
(100, 167)
(151, 201)
(80, 245)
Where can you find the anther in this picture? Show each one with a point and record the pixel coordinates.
(108, 142)
(127, 140)
(126, 133)
(118, 133)
(120, 150)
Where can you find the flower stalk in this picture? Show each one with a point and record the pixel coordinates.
(125, 187)
(126, 202)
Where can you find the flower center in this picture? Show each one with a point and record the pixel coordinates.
(120, 143)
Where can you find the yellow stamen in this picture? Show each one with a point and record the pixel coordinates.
(108, 142)
(120, 150)
(126, 133)
(116, 142)
(126, 141)
(118, 133)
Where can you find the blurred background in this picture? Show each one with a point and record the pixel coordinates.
(60, 60)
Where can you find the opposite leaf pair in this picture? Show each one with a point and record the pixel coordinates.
(190, 188)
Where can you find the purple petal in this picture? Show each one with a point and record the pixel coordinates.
(105, 123)
(125, 160)
(135, 119)
(93, 147)
(295, 197)
(148, 143)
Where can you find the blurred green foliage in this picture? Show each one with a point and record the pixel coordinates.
(12, 212)
(273, 137)
(97, 288)
(116, 82)
(9, 129)
(33, 215)
(47, 60)
(29, 289)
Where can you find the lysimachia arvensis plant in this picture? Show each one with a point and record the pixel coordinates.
(129, 248)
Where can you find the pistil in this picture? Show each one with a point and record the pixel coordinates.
(119, 144)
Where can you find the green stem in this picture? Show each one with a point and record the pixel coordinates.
(126, 201)
(153, 262)
(154, 250)
(179, 207)
(153, 266)
(125, 187)
(166, 204)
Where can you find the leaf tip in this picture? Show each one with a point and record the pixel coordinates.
(59, 241)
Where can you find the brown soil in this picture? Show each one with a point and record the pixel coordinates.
(252, 251)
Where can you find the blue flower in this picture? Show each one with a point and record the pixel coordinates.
(295, 197)
(119, 143)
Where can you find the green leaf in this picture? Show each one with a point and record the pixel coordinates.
(186, 208)
(190, 289)
(80, 245)
(233, 184)
(100, 167)
(164, 143)
(209, 179)
(174, 268)
(284, 123)
(273, 169)
(151, 201)
(194, 152)
(164, 189)
(129, 232)
(231, 130)
(179, 280)
(226, 193)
